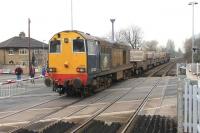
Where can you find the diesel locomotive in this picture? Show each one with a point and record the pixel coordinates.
(79, 63)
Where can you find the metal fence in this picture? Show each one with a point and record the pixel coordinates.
(191, 108)
(18, 87)
(188, 98)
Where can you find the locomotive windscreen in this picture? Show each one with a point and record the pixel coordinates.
(78, 45)
(54, 46)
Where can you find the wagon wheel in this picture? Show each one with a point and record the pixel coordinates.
(48, 82)
(55, 87)
(91, 90)
(70, 92)
(109, 82)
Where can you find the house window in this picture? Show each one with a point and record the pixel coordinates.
(10, 52)
(24, 63)
(40, 51)
(23, 51)
(36, 51)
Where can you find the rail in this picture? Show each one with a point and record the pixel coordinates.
(89, 120)
(11, 88)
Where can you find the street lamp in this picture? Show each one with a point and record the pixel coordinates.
(112, 21)
(193, 3)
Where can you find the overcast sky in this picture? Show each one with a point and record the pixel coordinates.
(159, 19)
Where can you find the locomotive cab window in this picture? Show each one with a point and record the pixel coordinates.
(54, 46)
(78, 45)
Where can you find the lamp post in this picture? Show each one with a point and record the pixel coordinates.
(29, 56)
(112, 21)
(192, 3)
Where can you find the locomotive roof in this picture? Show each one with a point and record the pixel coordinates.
(101, 40)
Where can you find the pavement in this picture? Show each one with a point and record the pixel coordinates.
(6, 77)
(191, 76)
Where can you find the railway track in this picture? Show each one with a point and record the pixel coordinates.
(162, 70)
(168, 125)
(140, 107)
(16, 130)
(154, 124)
(34, 123)
(90, 125)
(56, 124)
(86, 127)
(81, 128)
(88, 122)
(69, 125)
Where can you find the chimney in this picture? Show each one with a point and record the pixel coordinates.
(22, 35)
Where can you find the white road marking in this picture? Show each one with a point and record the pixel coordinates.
(160, 107)
(13, 123)
(118, 89)
(51, 119)
(78, 116)
(117, 113)
(35, 95)
(3, 112)
(45, 109)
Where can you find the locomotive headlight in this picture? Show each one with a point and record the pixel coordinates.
(51, 70)
(80, 69)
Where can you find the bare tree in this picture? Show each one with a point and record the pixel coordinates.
(179, 53)
(161, 49)
(150, 45)
(170, 48)
(132, 36)
(188, 49)
(188, 52)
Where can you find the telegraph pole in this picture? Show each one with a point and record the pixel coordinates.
(71, 15)
(29, 51)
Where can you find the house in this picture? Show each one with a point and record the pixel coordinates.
(15, 51)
